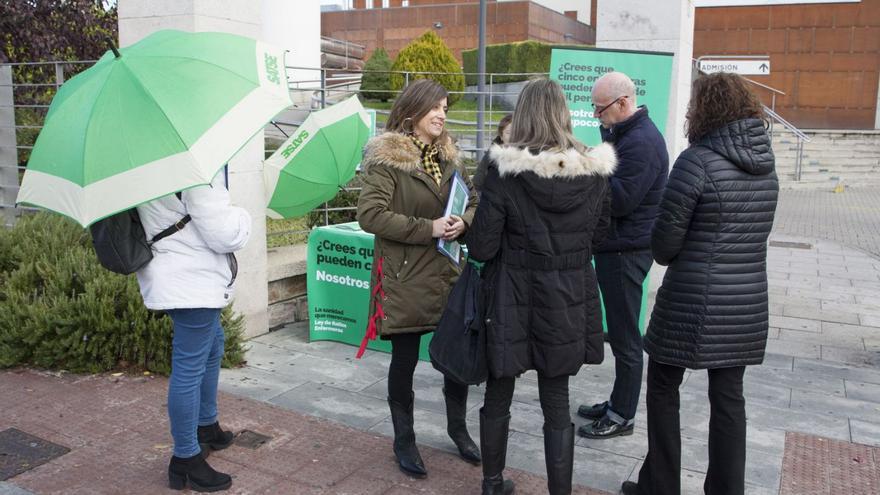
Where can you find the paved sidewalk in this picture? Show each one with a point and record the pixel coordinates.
(117, 432)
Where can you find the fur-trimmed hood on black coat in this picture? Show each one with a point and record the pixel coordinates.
(540, 215)
(712, 229)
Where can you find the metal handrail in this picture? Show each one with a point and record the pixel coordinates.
(801, 138)
(771, 88)
(788, 125)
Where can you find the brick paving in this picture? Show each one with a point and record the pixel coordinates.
(117, 431)
(824, 466)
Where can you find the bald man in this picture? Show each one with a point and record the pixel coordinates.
(624, 259)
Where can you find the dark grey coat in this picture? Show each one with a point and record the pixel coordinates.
(715, 217)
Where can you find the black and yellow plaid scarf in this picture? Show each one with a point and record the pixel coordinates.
(430, 153)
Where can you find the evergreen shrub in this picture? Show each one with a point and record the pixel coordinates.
(60, 309)
(376, 81)
(428, 53)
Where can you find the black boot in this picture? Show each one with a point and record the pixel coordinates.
(200, 475)
(493, 442)
(214, 437)
(559, 456)
(457, 427)
(405, 439)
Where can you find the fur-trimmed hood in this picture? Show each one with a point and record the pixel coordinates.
(549, 164)
(397, 150)
(556, 180)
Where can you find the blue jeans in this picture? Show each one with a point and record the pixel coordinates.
(196, 351)
(620, 275)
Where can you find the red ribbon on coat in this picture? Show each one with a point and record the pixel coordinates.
(378, 295)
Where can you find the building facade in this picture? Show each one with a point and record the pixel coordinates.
(394, 27)
(825, 57)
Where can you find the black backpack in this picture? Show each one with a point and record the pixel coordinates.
(121, 243)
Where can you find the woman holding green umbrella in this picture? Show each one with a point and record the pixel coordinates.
(160, 116)
(191, 278)
(407, 175)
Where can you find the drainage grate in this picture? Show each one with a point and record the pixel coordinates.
(21, 452)
(793, 245)
(251, 439)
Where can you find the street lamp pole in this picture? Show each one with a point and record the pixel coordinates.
(481, 81)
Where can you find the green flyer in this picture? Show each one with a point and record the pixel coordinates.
(578, 69)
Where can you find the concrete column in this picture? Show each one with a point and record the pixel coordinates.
(137, 19)
(296, 27)
(649, 25)
(8, 151)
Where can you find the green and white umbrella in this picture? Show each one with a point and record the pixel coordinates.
(320, 157)
(157, 117)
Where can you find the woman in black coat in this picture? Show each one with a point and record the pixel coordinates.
(544, 202)
(711, 310)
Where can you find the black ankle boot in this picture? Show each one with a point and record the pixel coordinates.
(493, 442)
(214, 437)
(558, 454)
(200, 475)
(405, 449)
(457, 427)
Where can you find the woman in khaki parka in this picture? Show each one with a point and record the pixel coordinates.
(407, 173)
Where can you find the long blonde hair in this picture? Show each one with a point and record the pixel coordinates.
(542, 119)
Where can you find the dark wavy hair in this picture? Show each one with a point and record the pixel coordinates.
(717, 100)
(415, 102)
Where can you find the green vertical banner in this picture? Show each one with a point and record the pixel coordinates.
(339, 263)
(578, 69)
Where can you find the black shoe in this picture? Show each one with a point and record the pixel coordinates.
(593, 412)
(213, 437)
(408, 457)
(629, 488)
(457, 428)
(606, 427)
(200, 475)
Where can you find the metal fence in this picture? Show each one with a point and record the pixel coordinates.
(26, 90)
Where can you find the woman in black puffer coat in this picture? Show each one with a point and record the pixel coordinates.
(711, 310)
(544, 205)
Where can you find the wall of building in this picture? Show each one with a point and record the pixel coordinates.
(825, 57)
(394, 28)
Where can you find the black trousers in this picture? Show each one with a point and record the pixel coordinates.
(552, 392)
(404, 358)
(620, 275)
(661, 472)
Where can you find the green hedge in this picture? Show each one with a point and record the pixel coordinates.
(60, 309)
(510, 58)
(428, 53)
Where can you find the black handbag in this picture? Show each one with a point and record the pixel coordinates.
(458, 348)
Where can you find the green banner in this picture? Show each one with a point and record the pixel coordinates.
(578, 69)
(340, 259)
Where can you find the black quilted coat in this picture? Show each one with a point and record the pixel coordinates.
(540, 215)
(711, 310)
